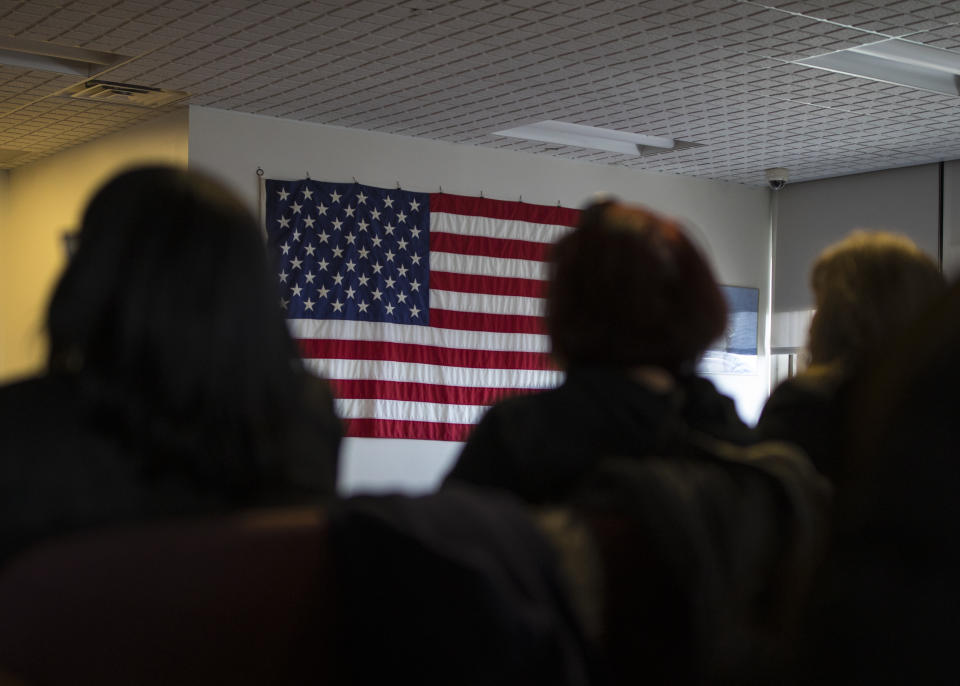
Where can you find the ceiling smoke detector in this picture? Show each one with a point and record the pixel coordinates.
(124, 94)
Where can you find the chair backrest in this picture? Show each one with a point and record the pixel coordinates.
(240, 599)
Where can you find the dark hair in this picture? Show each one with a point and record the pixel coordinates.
(168, 320)
(629, 288)
(868, 288)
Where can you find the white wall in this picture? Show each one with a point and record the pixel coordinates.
(45, 199)
(816, 214)
(730, 220)
(951, 219)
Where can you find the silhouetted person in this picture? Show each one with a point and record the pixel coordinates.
(172, 385)
(868, 289)
(631, 307)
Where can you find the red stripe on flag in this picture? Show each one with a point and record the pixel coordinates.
(421, 392)
(322, 348)
(481, 321)
(503, 209)
(489, 247)
(490, 285)
(395, 428)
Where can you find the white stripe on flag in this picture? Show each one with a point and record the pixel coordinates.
(366, 408)
(417, 335)
(411, 372)
(489, 304)
(510, 229)
(488, 266)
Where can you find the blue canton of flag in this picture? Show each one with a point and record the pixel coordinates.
(348, 251)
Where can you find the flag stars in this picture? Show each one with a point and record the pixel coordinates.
(337, 306)
(310, 276)
(307, 194)
(283, 194)
(363, 252)
(401, 297)
(414, 205)
(283, 276)
(389, 282)
(335, 197)
(351, 265)
(296, 263)
(415, 232)
(323, 264)
(362, 279)
(348, 211)
(362, 306)
(415, 285)
(308, 304)
(361, 198)
(389, 309)
(296, 235)
(284, 223)
(402, 271)
(336, 223)
(376, 267)
(388, 202)
(322, 292)
(324, 236)
(322, 209)
(377, 294)
(350, 292)
(389, 255)
(296, 207)
(363, 225)
(310, 249)
(401, 244)
(284, 304)
(375, 214)
(401, 216)
(285, 248)
(414, 312)
(337, 251)
(296, 290)
(309, 222)
(388, 227)
(338, 279)
(350, 238)
(414, 258)
(376, 240)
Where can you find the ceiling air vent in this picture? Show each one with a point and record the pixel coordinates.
(124, 94)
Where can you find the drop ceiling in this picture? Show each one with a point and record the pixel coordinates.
(719, 73)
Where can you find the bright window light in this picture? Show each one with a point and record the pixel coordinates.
(592, 137)
(896, 61)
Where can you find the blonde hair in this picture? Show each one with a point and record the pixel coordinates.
(869, 287)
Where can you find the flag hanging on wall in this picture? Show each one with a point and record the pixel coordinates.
(422, 309)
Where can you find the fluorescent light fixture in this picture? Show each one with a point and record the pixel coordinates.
(592, 137)
(62, 59)
(896, 61)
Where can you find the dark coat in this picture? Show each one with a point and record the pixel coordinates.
(60, 471)
(541, 446)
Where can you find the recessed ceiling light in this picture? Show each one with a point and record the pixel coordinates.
(896, 61)
(592, 137)
(43, 56)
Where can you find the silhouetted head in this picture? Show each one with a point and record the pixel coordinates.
(868, 288)
(168, 318)
(629, 288)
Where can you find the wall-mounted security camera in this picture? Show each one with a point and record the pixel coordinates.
(777, 177)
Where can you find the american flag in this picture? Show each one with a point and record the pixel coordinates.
(422, 309)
